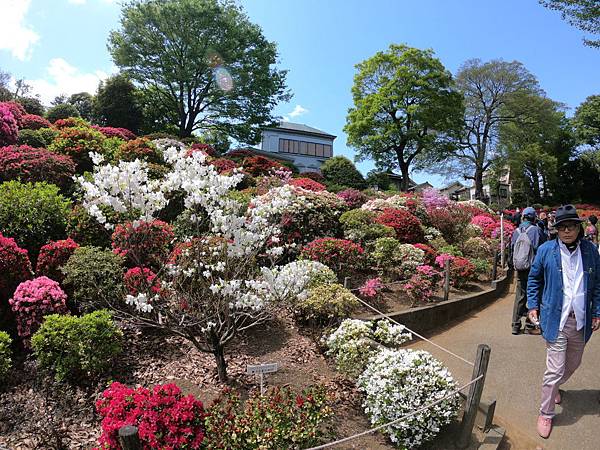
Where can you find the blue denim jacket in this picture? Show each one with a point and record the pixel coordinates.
(545, 287)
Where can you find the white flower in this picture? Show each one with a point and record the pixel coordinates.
(140, 302)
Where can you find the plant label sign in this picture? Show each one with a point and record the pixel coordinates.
(261, 369)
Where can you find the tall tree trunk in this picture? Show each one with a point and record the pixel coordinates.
(478, 180)
(219, 354)
(405, 177)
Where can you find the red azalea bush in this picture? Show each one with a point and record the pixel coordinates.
(316, 176)
(141, 280)
(26, 163)
(14, 266)
(9, 131)
(239, 155)
(482, 220)
(259, 165)
(308, 184)
(140, 148)
(33, 300)
(353, 198)
(53, 256)
(461, 269)
(17, 111)
(223, 164)
(144, 244)
(430, 253)
(452, 221)
(342, 256)
(121, 133)
(164, 417)
(34, 122)
(407, 226)
(492, 230)
(204, 148)
(71, 122)
(78, 142)
(419, 288)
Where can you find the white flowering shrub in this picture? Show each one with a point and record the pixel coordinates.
(410, 258)
(431, 233)
(355, 341)
(476, 204)
(397, 382)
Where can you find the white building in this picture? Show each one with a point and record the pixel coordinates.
(307, 147)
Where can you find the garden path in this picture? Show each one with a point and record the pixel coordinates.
(514, 378)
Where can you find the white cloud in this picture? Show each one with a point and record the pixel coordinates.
(296, 112)
(63, 78)
(16, 36)
(77, 2)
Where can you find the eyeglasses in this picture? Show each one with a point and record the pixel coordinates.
(567, 226)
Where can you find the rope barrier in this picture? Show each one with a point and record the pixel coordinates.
(415, 333)
(404, 417)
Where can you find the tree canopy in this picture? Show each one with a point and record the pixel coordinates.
(202, 62)
(587, 121)
(404, 107)
(117, 103)
(583, 14)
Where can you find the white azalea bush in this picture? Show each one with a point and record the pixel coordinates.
(355, 341)
(397, 382)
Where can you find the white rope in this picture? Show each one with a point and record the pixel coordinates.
(415, 333)
(406, 416)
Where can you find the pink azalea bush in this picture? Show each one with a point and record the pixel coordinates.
(9, 130)
(353, 198)
(164, 417)
(34, 122)
(419, 288)
(432, 198)
(17, 111)
(15, 267)
(121, 133)
(33, 300)
(482, 221)
(53, 256)
(371, 288)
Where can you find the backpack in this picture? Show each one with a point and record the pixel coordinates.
(523, 251)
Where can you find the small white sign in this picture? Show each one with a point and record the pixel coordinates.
(261, 368)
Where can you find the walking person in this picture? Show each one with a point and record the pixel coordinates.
(591, 231)
(563, 293)
(524, 244)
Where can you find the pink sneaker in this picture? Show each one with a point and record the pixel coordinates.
(558, 398)
(544, 426)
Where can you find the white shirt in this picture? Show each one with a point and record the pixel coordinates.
(573, 290)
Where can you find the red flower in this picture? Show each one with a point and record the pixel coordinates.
(308, 184)
(407, 226)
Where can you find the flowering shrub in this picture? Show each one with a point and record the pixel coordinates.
(419, 288)
(394, 260)
(77, 347)
(5, 354)
(430, 253)
(33, 300)
(143, 243)
(482, 221)
(70, 122)
(140, 148)
(164, 417)
(358, 225)
(281, 419)
(432, 198)
(207, 149)
(32, 213)
(16, 110)
(451, 221)
(14, 267)
(53, 256)
(308, 184)
(110, 132)
(353, 197)
(141, 279)
(493, 230)
(461, 269)
(477, 247)
(341, 255)
(314, 176)
(34, 122)
(473, 231)
(407, 226)
(397, 382)
(475, 207)
(8, 126)
(326, 303)
(78, 143)
(355, 341)
(259, 165)
(93, 278)
(85, 229)
(223, 164)
(31, 164)
(483, 267)
(371, 288)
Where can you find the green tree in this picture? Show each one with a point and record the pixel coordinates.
(84, 102)
(61, 111)
(404, 108)
(32, 105)
(583, 14)
(340, 171)
(587, 121)
(488, 89)
(117, 103)
(202, 60)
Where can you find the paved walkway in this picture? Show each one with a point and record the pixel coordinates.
(514, 376)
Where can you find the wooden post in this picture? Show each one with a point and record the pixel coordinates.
(446, 279)
(474, 396)
(129, 439)
(346, 282)
(502, 246)
(495, 266)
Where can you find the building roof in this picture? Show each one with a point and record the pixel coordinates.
(451, 185)
(300, 128)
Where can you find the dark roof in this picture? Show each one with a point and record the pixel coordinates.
(300, 128)
(454, 183)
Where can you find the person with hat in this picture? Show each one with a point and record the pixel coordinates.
(563, 294)
(524, 244)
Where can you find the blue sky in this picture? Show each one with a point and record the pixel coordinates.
(60, 47)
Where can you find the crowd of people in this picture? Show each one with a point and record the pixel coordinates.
(557, 266)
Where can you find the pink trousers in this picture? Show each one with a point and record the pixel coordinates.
(563, 357)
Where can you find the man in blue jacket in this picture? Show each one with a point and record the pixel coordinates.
(536, 237)
(563, 294)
